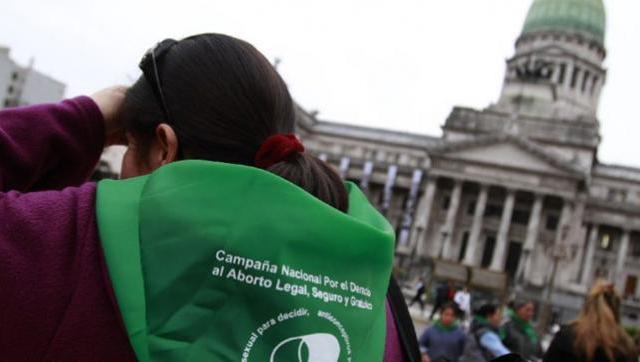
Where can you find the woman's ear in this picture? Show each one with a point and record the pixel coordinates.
(166, 145)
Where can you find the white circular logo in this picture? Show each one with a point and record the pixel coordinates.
(317, 347)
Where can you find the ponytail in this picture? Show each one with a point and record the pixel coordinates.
(598, 325)
(314, 176)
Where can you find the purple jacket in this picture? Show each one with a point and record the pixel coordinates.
(56, 299)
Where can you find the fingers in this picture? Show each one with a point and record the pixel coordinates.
(109, 101)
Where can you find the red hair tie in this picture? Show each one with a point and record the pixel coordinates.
(277, 148)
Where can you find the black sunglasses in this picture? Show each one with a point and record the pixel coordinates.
(149, 67)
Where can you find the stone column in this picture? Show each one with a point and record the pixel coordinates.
(555, 77)
(470, 257)
(563, 230)
(592, 81)
(423, 215)
(499, 253)
(532, 237)
(597, 86)
(580, 80)
(568, 75)
(367, 171)
(343, 169)
(578, 71)
(447, 229)
(578, 238)
(534, 223)
(622, 257)
(387, 192)
(408, 214)
(585, 279)
(561, 246)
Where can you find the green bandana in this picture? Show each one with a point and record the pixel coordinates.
(482, 320)
(220, 262)
(444, 328)
(510, 312)
(527, 327)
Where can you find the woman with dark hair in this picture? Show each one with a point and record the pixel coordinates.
(483, 341)
(444, 340)
(519, 334)
(596, 336)
(226, 241)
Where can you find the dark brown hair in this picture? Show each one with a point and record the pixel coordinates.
(450, 305)
(224, 99)
(487, 310)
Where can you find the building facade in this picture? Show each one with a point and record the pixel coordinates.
(515, 189)
(21, 86)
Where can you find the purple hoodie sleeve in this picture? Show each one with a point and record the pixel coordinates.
(392, 348)
(55, 297)
(49, 146)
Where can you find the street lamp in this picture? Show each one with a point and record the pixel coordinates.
(559, 252)
(411, 260)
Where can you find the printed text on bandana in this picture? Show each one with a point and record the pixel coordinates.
(291, 280)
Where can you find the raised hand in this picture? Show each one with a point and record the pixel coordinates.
(110, 100)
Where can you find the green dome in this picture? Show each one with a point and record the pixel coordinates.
(583, 16)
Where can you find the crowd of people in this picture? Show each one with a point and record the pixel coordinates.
(495, 331)
(444, 294)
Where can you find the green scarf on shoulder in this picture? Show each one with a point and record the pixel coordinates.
(481, 320)
(218, 262)
(526, 327)
(450, 328)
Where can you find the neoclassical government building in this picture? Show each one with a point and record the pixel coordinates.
(513, 196)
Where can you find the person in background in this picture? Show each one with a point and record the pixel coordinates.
(444, 340)
(483, 342)
(420, 288)
(463, 299)
(596, 336)
(443, 294)
(518, 334)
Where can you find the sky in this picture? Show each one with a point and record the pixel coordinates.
(399, 64)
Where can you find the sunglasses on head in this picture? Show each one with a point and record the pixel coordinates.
(149, 67)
